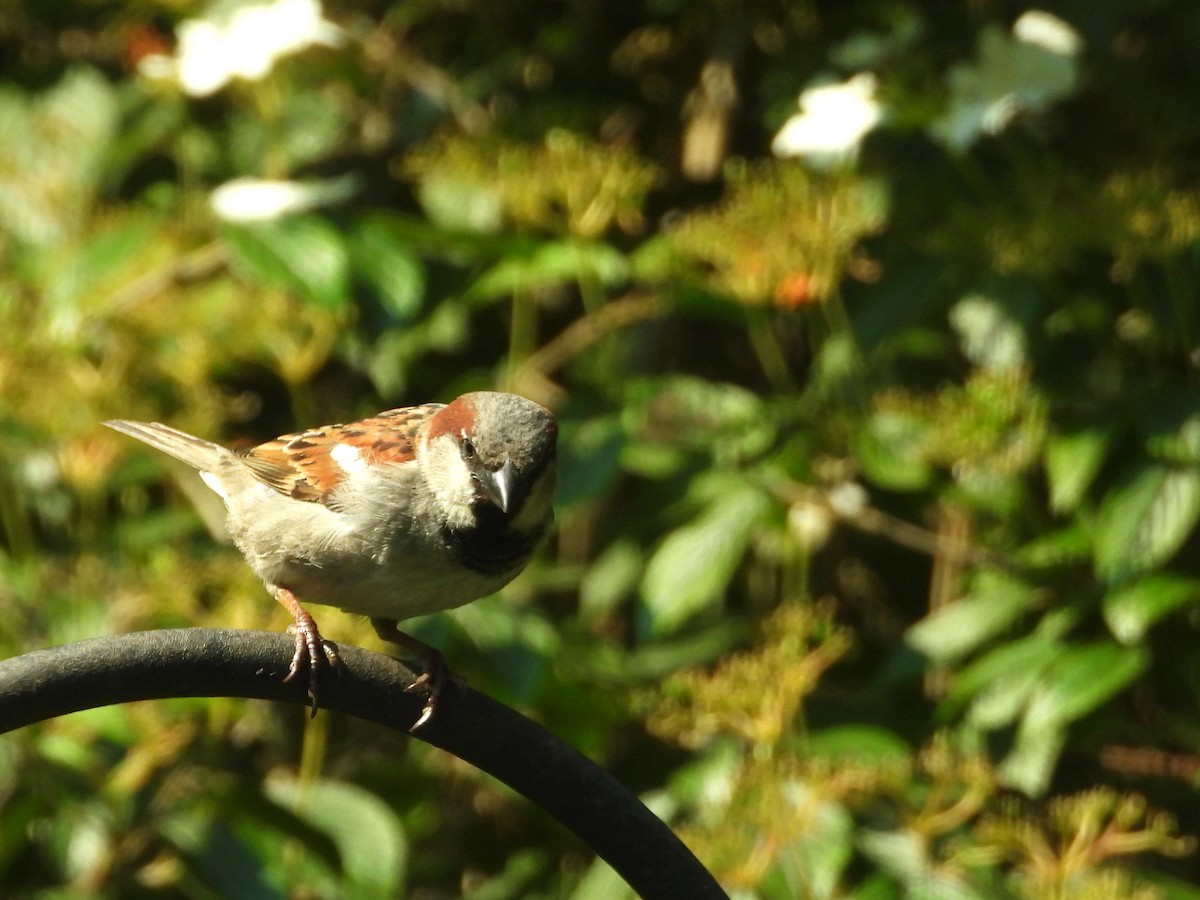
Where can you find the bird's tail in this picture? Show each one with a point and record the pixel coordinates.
(196, 452)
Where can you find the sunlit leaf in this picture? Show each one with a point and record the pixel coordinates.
(611, 579)
(601, 882)
(302, 254)
(1072, 461)
(1079, 681)
(1056, 549)
(373, 853)
(818, 858)
(1146, 519)
(550, 265)
(691, 569)
(891, 451)
(996, 600)
(999, 683)
(1083, 678)
(1030, 764)
(1131, 610)
(856, 742)
(383, 258)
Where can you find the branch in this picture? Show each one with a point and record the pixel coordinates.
(204, 662)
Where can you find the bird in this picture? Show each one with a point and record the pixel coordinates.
(407, 512)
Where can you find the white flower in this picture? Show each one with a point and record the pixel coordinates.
(832, 121)
(244, 41)
(990, 335)
(1028, 71)
(1048, 32)
(259, 200)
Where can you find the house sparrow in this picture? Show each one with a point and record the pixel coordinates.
(408, 512)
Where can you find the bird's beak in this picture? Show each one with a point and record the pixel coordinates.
(501, 486)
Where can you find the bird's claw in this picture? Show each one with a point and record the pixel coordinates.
(313, 652)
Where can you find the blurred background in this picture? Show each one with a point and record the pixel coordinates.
(873, 332)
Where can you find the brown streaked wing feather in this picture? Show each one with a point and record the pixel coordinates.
(299, 464)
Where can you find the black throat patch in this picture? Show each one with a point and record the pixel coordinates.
(491, 547)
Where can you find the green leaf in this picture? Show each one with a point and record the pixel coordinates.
(1055, 549)
(1072, 461)
(373, 852)
(1083, 678)
(691, 568)
(1131, 610)
(301, 254)
(1030, 763)
(589, 458)
(453, 202)
(891, 451)
(103, 257)
(859, 742)
(220, 859)
(382, 257)
(611, 579)
(716, 418)
(1145, 520)
(601, 882)
(817, 858)
(995, 602)
(550, 265)
(1079, 681)
(999, 683)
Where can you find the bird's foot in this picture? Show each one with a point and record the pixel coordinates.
(312, 650)
(435, 673)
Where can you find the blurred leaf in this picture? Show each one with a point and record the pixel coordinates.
(515, 880)
(108, 253)
(1169, 422)
(1030, 763)
(996, 600)
(302, 254)
(891, 451)
(52, 146)
(1055, 549)
(992, 337)
(373, 853)
(1079, 680)
(814, 862)
(859, 742)
(222, 862)
(455, 202)
(721, 420)
(1131, 610)
(607, 664)
(1145, 520)
(690, 570)
(381, 257)
(999, 683)
(1072, 461)
(1168, 887)
(611, 579)
(1084, 677)
(550, 265)
(601, 882)
(589, 458)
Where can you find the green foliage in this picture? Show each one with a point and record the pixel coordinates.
(880, 450)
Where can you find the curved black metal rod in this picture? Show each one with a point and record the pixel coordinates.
(205, 662)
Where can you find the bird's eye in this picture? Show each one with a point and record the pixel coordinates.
(468, 448)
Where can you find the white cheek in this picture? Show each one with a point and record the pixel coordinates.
(449, 481)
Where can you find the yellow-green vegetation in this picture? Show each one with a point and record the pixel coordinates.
(873, 334)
